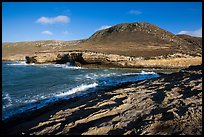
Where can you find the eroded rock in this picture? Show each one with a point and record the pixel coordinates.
(87, 59)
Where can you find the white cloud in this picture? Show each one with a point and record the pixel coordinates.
(104, 27)
(196, 33)
(47, 32)
(135, 12)
(52, 20)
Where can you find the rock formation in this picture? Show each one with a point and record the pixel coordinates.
(87, 59)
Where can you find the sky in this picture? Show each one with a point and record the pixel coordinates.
(30, 21)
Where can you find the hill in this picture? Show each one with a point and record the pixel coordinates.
(195, 41)
(21, 49)
(137, 39)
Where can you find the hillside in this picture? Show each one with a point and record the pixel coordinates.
(195, 41)
(137, 39)
(30, 47)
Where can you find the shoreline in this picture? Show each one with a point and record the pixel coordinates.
(63, 101)
(94, 66)
(54, 107)
(123, 92)
(89, 59)
(119, 67)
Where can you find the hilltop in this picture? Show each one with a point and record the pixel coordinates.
(138, 39)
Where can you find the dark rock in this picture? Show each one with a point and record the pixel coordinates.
(30, 59)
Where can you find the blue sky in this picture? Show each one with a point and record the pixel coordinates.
(29, 21)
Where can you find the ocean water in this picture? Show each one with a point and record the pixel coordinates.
(29, 87)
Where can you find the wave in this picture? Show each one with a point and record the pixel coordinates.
(17, 63)
(34, 105)
(126, 77)
(147, 73)
(95, 76)
(7, 98)
(66, 66)
(82, 87)
(23, 63)
(140, 73)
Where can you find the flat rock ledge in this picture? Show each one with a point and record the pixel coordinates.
(168, 105)
(93, 59)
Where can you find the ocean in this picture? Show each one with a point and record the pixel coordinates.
(27, 87)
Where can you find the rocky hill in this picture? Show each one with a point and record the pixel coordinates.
(191, 39)
(134, 30)
(138, 39)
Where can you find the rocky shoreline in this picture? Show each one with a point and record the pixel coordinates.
(168, 105)
(94, 59)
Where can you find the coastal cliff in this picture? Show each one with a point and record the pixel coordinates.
(87, 59)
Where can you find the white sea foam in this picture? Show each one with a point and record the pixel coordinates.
(82, 87)
(23, 63)
(145, 73)
(95, 76)
(8, 98)
(17, 63)
(140, 73)
(67, 66)
(30, 101)
(127, 74)
(104, 75)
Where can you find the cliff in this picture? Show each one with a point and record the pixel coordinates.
(92, 59)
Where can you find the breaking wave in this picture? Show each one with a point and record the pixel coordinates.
(66, 66)
(33, 104)
(82, 87)
(8, 102)
(147, 73)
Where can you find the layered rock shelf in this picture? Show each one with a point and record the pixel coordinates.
(88, 59)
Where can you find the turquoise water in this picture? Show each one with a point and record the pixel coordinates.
(28, 87)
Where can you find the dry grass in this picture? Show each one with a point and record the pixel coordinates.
(174, 62)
